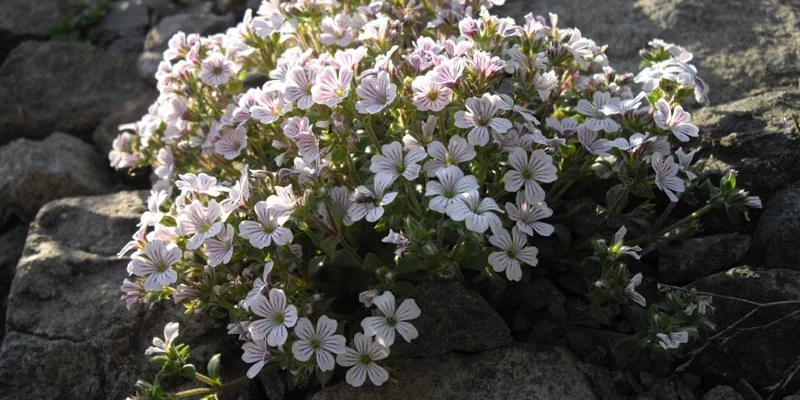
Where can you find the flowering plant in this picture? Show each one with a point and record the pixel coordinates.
(322, 152)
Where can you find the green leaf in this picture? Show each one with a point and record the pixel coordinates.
(189, 371)
(328, 246)
(372, 262)
(345, 259)
(214, 367)
(315, 264)
(616, 198)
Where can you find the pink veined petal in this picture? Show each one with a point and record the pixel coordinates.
(477, 223)
(662, 114)
(543, 229)
(513, 181)
(684, 131)
(348, 358)
(478, 136)
(374, 213)
(290, 316)
(464, 120)
(500, 125)
(357, 375)
(386, 303)
(277, 336)
(304, 330)
(326, 327)
(325, 360)
(253, 371)
(585, 108)
(377, 374)
(301, 350)
(407, 331)
(679, 116)
(334, 344)
(514, 271)
(408, 310)
(533, 192)
(528, 256)
(499, 261)
(260, 328)
(282, 236)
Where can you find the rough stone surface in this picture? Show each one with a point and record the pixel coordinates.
(776, 240)
(759, 356)
(662, 390)
(202, 23)
(59, 86)
(69, 334)
(739, 46)
(11, 245)
(506, 373)
(698, 257)
(755, 137)
(129, 111)
(127, 18)
(33, 173)
(147, 65)
(448, 321)
(723, 393)
(26, 19)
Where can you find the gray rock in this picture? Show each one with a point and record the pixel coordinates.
(69, 334)
(698, 257)
(147, 65)
(202, 23)
(507, 373)
(731, 40)
(759, 356)
(776, 240)
(34, 173)
(755, 137)
(24, 19)
(59, 86)
(129, 111)
(662, 390)
(127, 18)
(533, 296)
(723, 393)
(11, 245)
(448, 321)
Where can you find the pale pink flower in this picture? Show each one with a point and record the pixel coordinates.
(132, 293)
(165, 163)
(564, 127)
(545, 84)
(322, 342)
(666, 176)
(276, 315)
(481, 118)
(330, 87)
(349, 59)
(232, 142)
(676, 121)
(261, 285)
(375, 94)
(398, 239)
(599, 111)
(485, 65)
(448, 73)
(477, 213)
(528, 216)
(452, 184)
(458, 151)
(121, 154)
(685, 162)
(336, 30)
(299, 81)
(393, 319)
(271, 105)
(200, 222)
(366, 297)
(430, 96)
(219, 249)
(369, 203)
(393, 163)
(257, 353)
(154, 215)
(529, 171)
(156, 263)
(202, 184)
(216, 70)
(362, 360)
(162, 346)
(630, 290)
(239, 193)
(591, 141)
(514, 252)
(284, 199)
(268, 229)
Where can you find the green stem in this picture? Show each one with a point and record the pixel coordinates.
(371, 132)
(194, 392)
(693, 216)
(413, 198)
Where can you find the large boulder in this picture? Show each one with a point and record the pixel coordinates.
(11, 245)
(197, 22)
(776, 240)
(760, 356)
(69, 334)
(130, 110)
(33, 173)
(59, 86)
(455, 318)
(26, 19)
(517, 372)
(756, 137)
(698, 257)
(739, 46)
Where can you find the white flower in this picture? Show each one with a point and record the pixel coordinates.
(591, 141)
(545, 84)
(564, 127)
(630, 290)
(666, 176)
(153, 215)
(397, 238)
(394, 319)
(528, 172)
(277, 316)
(322, 342)
(458, 150)
(270, 106)
(528, 216)
(451, 184)
(514, 251)
(368, 203)
(219, 249)
(216, 70)
(375, 94)
(232, 142)
(366, 297)
(201, 184)
(257, 353)
(362, 360)
(480, 116)
(676, 121)
(392, 163)
(268, 229)
(617, 246)
(239, 193)
(283, 199)
(330, 87)
(476, 213)
(673, 340)
(429, 95)
(299, 82)
(161, 346)
(599, 110)
(685, 162)
(260, 286)
(200, 222)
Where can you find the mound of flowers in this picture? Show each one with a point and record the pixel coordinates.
(319, 159)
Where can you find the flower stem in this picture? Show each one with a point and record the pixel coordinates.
(194, 392)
